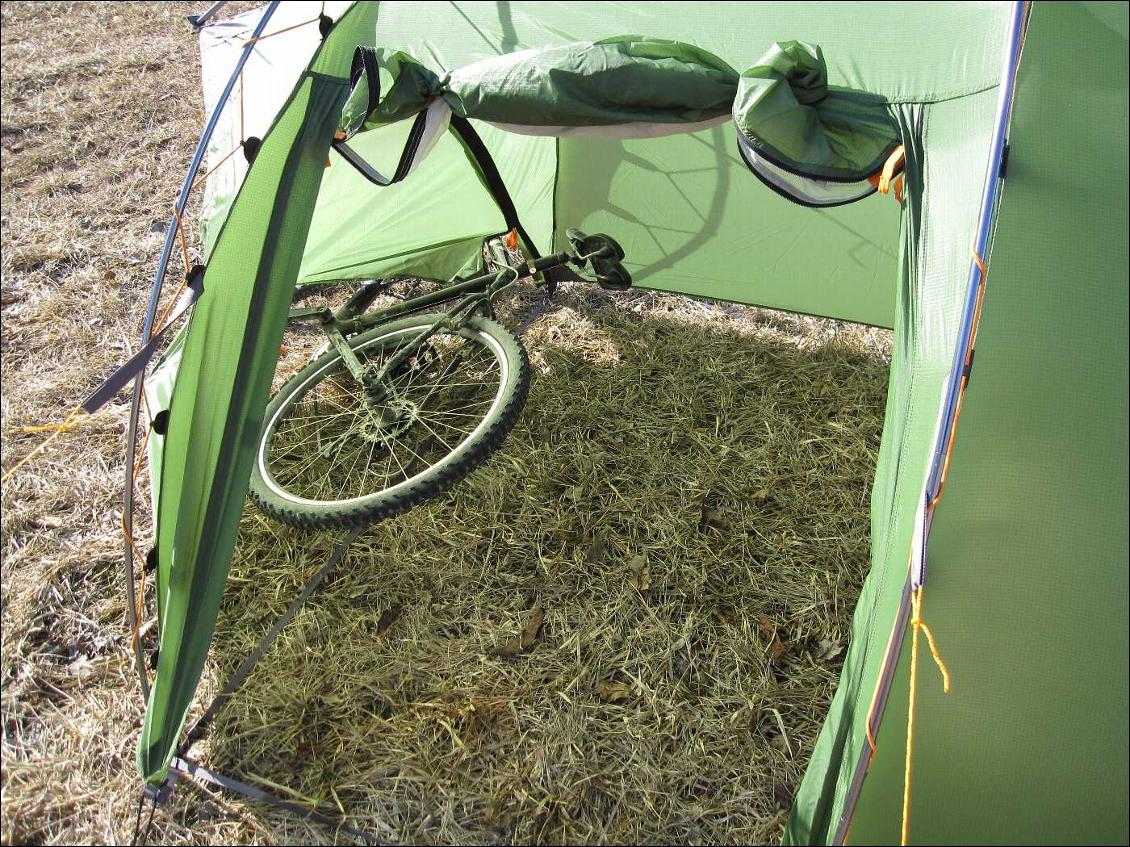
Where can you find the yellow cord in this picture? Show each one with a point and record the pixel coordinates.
(917, 624)
(55, 429)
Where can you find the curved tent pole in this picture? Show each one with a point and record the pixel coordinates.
(147, 327)
(993, 179)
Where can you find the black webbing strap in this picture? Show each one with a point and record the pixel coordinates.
(488, 170)
(201, 725)
(192, 769)
(118, 380)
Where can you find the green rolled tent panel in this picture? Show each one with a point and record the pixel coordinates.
(1026, 554)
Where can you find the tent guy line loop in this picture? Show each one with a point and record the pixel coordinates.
(81, 413)
(77, 414)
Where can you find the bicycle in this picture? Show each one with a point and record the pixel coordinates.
(405, 402)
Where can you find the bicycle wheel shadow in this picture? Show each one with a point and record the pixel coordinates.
(658, 567)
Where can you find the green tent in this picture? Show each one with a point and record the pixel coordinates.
(1012, 121)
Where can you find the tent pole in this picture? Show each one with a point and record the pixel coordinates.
(197, 21)
(993, 179)
(993, 176)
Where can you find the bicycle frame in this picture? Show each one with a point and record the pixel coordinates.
(471, 294)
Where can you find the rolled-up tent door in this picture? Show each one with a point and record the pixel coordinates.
(812, 143)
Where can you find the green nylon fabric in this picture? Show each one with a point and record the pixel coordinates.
(222, 384)
(667, 196)
(1027, 561)
(402, 88)
(619, 80)
(787, 111)
(695, 219)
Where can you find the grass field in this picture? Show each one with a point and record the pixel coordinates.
(684, 498)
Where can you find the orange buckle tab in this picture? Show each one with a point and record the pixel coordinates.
(511, 240)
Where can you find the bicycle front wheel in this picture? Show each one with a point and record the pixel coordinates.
(330, 455)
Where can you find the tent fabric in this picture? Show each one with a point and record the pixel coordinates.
(203, 478)
(692, 220)
(268, 78)
(222, 384)
(1027, 559)
(696, 185)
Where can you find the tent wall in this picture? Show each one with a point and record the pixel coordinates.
(689, 214)
(222, 383)
(269, 76)
(947, 164)
(692, 217)
(1027, 561)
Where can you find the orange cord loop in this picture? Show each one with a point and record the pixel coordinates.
(886, 178)
(56, 430)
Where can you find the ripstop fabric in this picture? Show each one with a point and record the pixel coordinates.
(1027, 561)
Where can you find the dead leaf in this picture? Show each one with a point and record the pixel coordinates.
(782, 794)
(639, 574)
(723, 615)
(597, 553)
(388, 617)
(533, 627)
(524, 640)
(777, 648)
(613, 692)
(711, 518)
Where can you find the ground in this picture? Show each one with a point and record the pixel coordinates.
(684, 499)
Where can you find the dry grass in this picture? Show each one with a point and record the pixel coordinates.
(685, 496)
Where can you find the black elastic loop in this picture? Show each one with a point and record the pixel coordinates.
(154, 658)
(325, 24)
(151, 560)
(251, 147)
(160, 423)
(968, 367)
(137, 363)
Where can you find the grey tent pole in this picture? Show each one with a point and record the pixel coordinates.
(150, 315)
(198, 21)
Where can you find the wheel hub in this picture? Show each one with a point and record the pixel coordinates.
(391, 420)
